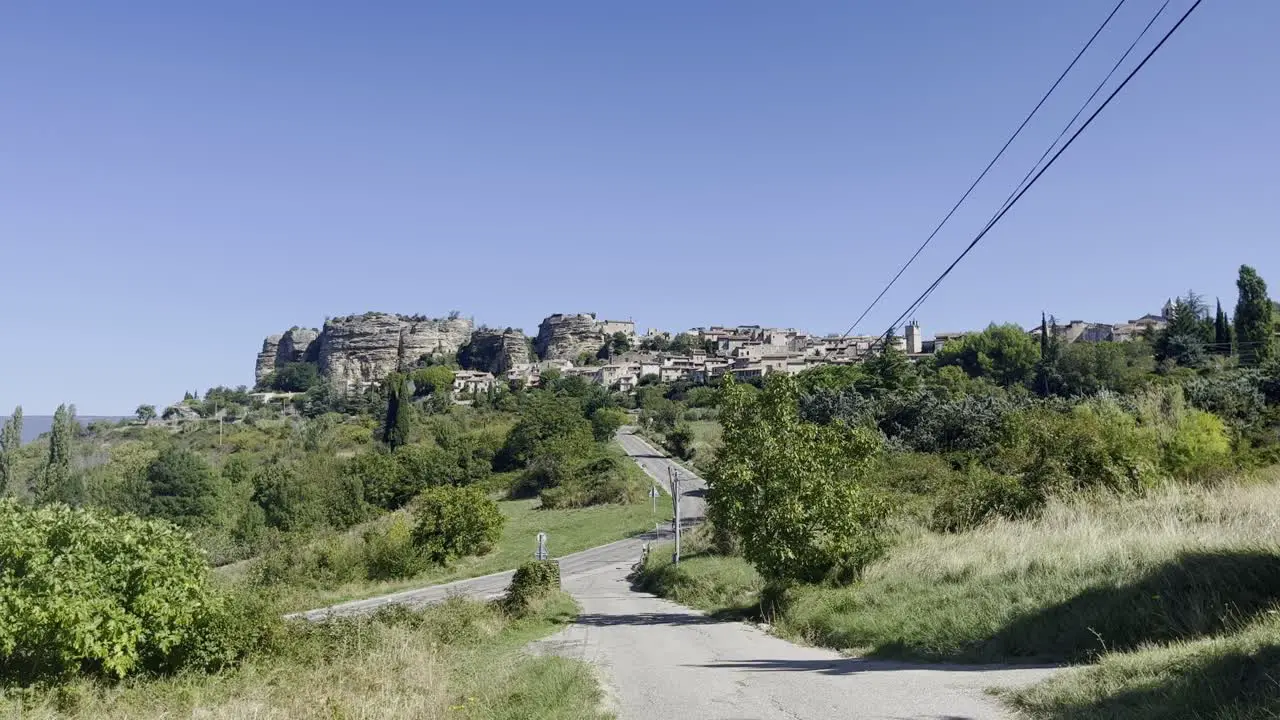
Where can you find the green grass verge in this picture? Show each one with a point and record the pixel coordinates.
(726, 587)
(1230, 677)
(568, 531)
(457, 660)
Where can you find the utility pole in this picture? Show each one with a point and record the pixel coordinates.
(674, 477)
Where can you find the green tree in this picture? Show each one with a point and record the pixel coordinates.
(398, 423)
(435, 379)
(145, 413)
(181, 488)
(605, 421)
(453, 522)
(619, 343)
(10, 442)
(887, 370)
(295, 377)
(56, 482)
(1255, 332)
(1004, 353)
(789, 490)
(1088, 368)
(1223, 337)
(684, 343)
(548, 426)
(680, 441)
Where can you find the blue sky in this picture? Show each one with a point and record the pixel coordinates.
(178, 181)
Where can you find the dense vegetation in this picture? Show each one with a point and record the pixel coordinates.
(110, 531)
(1015, 498)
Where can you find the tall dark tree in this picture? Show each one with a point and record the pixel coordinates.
(397, 424)
(1255, 333)
(57, 483)
(1183, 340)
(1222, 334)
(180, 488)
(10, 441)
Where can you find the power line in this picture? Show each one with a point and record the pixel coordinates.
(1065, 129)
(1018, 196)
(987, 169)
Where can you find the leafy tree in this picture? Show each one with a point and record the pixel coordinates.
(548, 426)
(145, 413)
(788, 489)
(398, 422)
(453, 522)
(1223, 338)
(295, 377)
(10, 442)
(684, 343)
(655, 343)
(619, 343)
(286, 500)
(181, 488)
(436, 379)
(1255, 332)
(605, 421)
(680, 441)
(383, 477)
(56, 482)
(830, 377)
(1004, 353)
(1088, 368)
(887, 370)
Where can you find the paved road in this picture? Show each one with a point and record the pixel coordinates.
(491, 586)
(659, 659)
(656, 463)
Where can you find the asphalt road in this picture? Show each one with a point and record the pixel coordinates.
(486, 587)
(659, 659)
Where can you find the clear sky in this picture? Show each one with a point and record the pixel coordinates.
(178, 180)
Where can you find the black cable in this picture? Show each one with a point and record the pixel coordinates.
(985, 170)
(1018, 196)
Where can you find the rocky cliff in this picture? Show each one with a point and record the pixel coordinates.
(296, 345)
(356, 350)
(564, 337)
(495, 351)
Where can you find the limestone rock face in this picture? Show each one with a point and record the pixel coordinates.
(267, 357)
(356, 350)
(360, 349)
(495, 351)
(298, 345)
(564, 337)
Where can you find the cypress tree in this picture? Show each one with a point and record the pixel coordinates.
(395, 427)
(1255, 334)
(10, 441)
(57, 483)
(1221, 332)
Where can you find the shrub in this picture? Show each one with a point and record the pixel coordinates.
(327, 562)
(531, 582)
(979, 495)
(680, 441)
(295, 377)
(605, 422)
(384, 478)
(452, 522)
(112, 595)
(601, 482)
(1198, 447)
(390, 553)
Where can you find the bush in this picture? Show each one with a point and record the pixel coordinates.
(1199, 446)
(390, 553)
(605, 422)
(979, 495)
(385, 481)
(602, 482)
(326, 562)
(454, 522)
(295, 377)
(111, 595)
(532, 582)
(180, 487)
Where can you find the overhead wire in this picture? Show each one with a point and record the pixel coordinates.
(987, 169)
(1023, 188)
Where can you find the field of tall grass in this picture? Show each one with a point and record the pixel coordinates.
(1171, 594)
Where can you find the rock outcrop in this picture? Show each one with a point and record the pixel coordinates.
(564, 337)
(495, 351)
(296, 345)
(354, 351)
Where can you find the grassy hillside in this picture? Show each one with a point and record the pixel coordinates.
(1174, 595)
(458, 660)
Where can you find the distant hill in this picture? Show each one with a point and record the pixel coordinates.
(33, 426)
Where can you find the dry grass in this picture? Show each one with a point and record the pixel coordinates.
(460, 660)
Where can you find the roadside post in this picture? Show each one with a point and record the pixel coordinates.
(674, 477)
(541, 552)
(653, 495)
